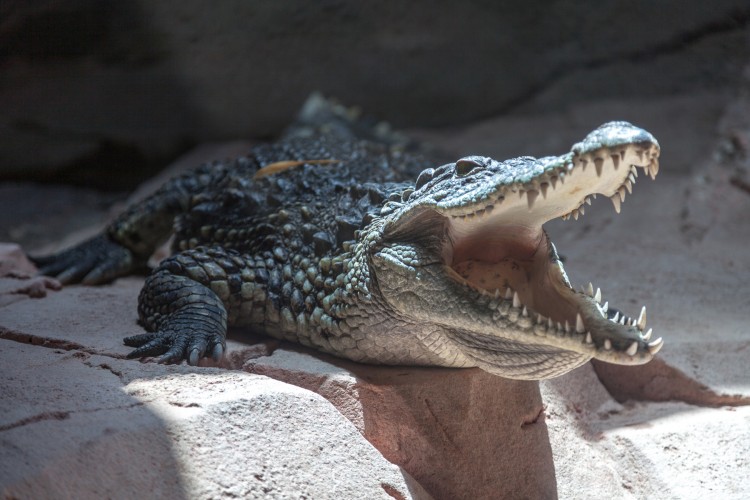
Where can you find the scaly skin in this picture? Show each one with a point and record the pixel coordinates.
(333, 247)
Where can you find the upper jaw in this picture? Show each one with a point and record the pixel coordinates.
(529, 191)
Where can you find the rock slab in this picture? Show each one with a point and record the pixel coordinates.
(393, 430)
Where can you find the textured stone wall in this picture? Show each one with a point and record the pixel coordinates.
(110, 90)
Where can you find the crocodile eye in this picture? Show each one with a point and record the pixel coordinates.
(466, 165)
(425, 177)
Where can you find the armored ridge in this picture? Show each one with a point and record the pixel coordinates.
(363, 250)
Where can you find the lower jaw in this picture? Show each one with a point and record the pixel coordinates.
(539, 280)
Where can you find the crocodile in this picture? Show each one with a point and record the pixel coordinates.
(357, 244)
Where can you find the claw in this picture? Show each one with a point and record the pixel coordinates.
(195, 355)
(170, 357)
(218, 352)
(153, 347)
(138, 340)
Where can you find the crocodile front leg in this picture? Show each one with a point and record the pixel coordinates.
(191, 298)
(186, 320)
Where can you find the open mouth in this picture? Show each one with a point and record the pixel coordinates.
(498, 247)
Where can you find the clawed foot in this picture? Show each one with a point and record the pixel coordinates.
(95, 261)
(173, 347)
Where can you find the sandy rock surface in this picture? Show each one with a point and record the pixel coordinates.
(77, 425)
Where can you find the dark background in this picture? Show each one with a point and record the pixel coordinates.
(105, 93)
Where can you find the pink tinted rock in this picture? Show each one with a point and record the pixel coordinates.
(14, 265)
(91, 319)
(13, 260)
(459, 433)
(643, 449)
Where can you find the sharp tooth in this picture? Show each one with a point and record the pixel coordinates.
(621, 191)
(587, 200)
(631, 178)
(629, 186)
(655, 346)
(516, 300)
(593, 196)
(616, 202)
(632, 349)
(606, 306)
(508, 293)
(622, 320)
(599, 168)
(497, 293)
(642, 319)
(653, 168)
(589, 340)
(530, 197)
(590, 289)
(584, 162)
(607, 345)
(567, 326)
(598, 295)
(581, 210)
(575, 214)
(525, 312)
(553, 181)
(559, 327)
(616, 317)
(616, 160)
(634, 171)
(647, 335)
(539, 319)
(579, 323)
(543, 189)
(550, 323)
